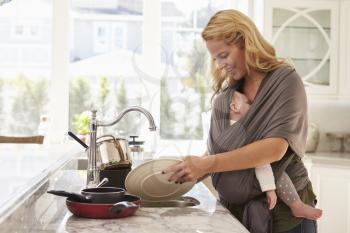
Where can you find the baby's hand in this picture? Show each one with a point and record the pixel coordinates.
(271, 198)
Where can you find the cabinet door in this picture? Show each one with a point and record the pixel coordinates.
(344, 85)
(306, 34)
(332, 187)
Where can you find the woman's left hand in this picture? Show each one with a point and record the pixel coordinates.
(190, 169)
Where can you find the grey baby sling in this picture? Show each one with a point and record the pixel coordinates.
(278, 110)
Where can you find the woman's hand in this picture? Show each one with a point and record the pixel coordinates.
(190, 169)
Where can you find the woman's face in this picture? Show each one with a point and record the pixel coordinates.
(229, 58)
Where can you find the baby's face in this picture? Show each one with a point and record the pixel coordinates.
(239, 106)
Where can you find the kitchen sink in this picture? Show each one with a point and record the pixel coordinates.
(79, 163)
(82, 164)
(184, 201)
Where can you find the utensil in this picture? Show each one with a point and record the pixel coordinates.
(101, 195)
(82, 206)
(114, 152)
(72, 196)
(136, 149)
(77, 139)
(116, 177)
(127, 206)
(103, 181)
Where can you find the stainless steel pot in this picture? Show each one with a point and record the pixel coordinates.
(114, 152)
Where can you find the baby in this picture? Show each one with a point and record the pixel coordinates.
(286, 191)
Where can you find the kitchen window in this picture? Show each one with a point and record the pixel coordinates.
(125, 53)
(101, 72)
(25, 65)
(187, 86)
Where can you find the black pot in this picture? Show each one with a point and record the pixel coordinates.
(104, 194)
(116, 178)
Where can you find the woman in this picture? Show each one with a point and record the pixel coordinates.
(272, 132)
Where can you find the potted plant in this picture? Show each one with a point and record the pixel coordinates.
(81, 125)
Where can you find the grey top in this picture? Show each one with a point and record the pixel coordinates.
(278, 110)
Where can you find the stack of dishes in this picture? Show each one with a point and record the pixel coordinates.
(148, 182)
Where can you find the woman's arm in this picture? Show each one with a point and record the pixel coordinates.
(256, 154)
(253, 155)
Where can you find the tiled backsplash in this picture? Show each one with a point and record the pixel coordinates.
(330, 116)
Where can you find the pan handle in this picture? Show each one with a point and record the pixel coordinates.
(74, 196)
(119, 207)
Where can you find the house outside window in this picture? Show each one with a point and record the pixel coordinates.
(187, 87)
(25, 65)
(101, 66)
(26, 30)
(111, 56)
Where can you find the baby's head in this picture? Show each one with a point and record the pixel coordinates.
(239, 106)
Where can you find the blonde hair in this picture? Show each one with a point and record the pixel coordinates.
(236, 28)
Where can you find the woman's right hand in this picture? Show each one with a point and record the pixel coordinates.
(190, 169)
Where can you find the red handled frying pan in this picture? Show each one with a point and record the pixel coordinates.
(125, 208)
(83, 206)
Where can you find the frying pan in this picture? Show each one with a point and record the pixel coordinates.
(83, 206)
(126, 207)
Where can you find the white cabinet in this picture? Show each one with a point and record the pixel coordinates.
(344, 45)
(307, 33)
(331, 183)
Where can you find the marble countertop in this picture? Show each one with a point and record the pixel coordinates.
(40, 212)
(23, 166)
(28, 208)
(328, 158)
(209, 217)
(45, 213)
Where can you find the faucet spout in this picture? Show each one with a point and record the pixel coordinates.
(152, 125)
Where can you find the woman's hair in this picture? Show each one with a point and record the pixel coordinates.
(236, 28)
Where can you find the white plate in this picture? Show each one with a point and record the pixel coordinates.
(147, 181)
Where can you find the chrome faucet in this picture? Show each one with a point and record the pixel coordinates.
(93, 171)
